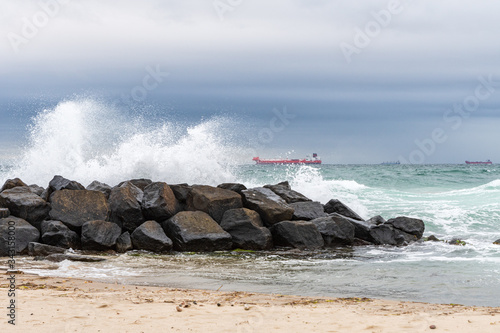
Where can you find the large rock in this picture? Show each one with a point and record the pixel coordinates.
(336, 206)
(150, 236)
(159, 202)
(25, 204)
(376, 220)
(386, 234)
(101, 187)
(124, 243)
(126, 210)
(181, 191)
(4, 212)
(196, 231)
(361, 228)
(38, 190)
(335, 231)
(59, 183)
(58, 234)
(38, 249)
(271, 208)
(213, 201)
(99, 235)
(307, 210)
(75, 207)
(235, 187)
(286, 193)
(298, 234)
(140, 183)
(23, 232)
(247, 230)
(409, 225)
(11, 183)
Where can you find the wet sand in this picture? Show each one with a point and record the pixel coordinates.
(74, 305)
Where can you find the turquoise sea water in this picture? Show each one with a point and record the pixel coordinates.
(453, 200)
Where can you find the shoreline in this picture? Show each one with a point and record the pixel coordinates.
(50, 304)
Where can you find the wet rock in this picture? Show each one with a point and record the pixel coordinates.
(4, 212)
(58, 257)
(25, 233)
(361, 228)
(159, 202)
(100, 187)
(335, 206)
(196, 231)
(140, 183)
(271, 207)
(11, 183)
(59, 183)
(181, 191)
(124, 243)
(235, 187)
(99, 235)
(126, 210)
(25, 204)
(409, 225)
(38, 190)
(75, 207)
(58, 234)
(284, 191)
(213, 201)
(246, 229)
(376, 220)
(307, 210)
(335, 231)
(150, 236)
(386, 234)
(497, 242)
(457, 241)
(38, 249)
(297, 234)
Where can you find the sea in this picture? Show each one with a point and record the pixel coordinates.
(87, 140)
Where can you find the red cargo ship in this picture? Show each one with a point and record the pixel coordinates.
(480, 162)
(314, 160)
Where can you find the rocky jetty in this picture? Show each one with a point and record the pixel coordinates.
(154, 216)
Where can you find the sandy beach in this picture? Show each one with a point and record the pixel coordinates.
(73, 305)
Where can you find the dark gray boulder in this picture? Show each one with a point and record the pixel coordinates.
(196, 231)
(235, 187)
(376, 220)
(150, 236)
(38, 190)
(4, 212)
(361, 228)
(181, 191)
(159, 202)
(58, 234)
(75, 207)
(271, 207)
(100, 187)
(335, 231)
(386, 234)
(213, 201)
(25, 204)
(23, 232)
(409, 225)
(335, 206)
(124, 243)
(140, 183)
(307, 210)
(284, 191)
(38, 249)
(100, 235)
(126, 210)
(297, 234)
(497, 242)
(11, 183)
(247, 230)
(59, 183)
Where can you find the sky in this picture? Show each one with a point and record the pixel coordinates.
(355, 81)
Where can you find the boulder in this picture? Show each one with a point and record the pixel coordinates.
(136, 191)
(286, 193)
(4, 212)
(140, 183)
(297, 234)
(124, 243)
(376, 220)
(361, 228)
(100, 187)
(335, 231)
(126, 210)
(38, 249)
(247, 230)
(24, 234)
(38, 190)
(99, 235)
(150, 236)
(75, 207)
(58, 234)
(271, 208)
(497, 242)
(307, 210)
(433, 238)
(213, 201)
(11, 183)
(181, 191)
(386, 234)
(235, 187)
(159, 202)
(409, 225)
(25, 204)
(59, 183)
(335, 206)
(196, 231)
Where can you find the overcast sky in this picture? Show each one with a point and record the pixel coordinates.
(367, 81)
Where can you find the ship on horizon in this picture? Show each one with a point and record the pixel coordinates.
(391, 163)
(479, 162)
(308, 160)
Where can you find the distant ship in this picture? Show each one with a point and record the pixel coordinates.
(391, 163)
(479, 162)
(314, 160)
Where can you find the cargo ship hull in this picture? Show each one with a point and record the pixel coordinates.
(480, 162)
(287, 161)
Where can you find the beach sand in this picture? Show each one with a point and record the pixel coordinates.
(73, 305)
